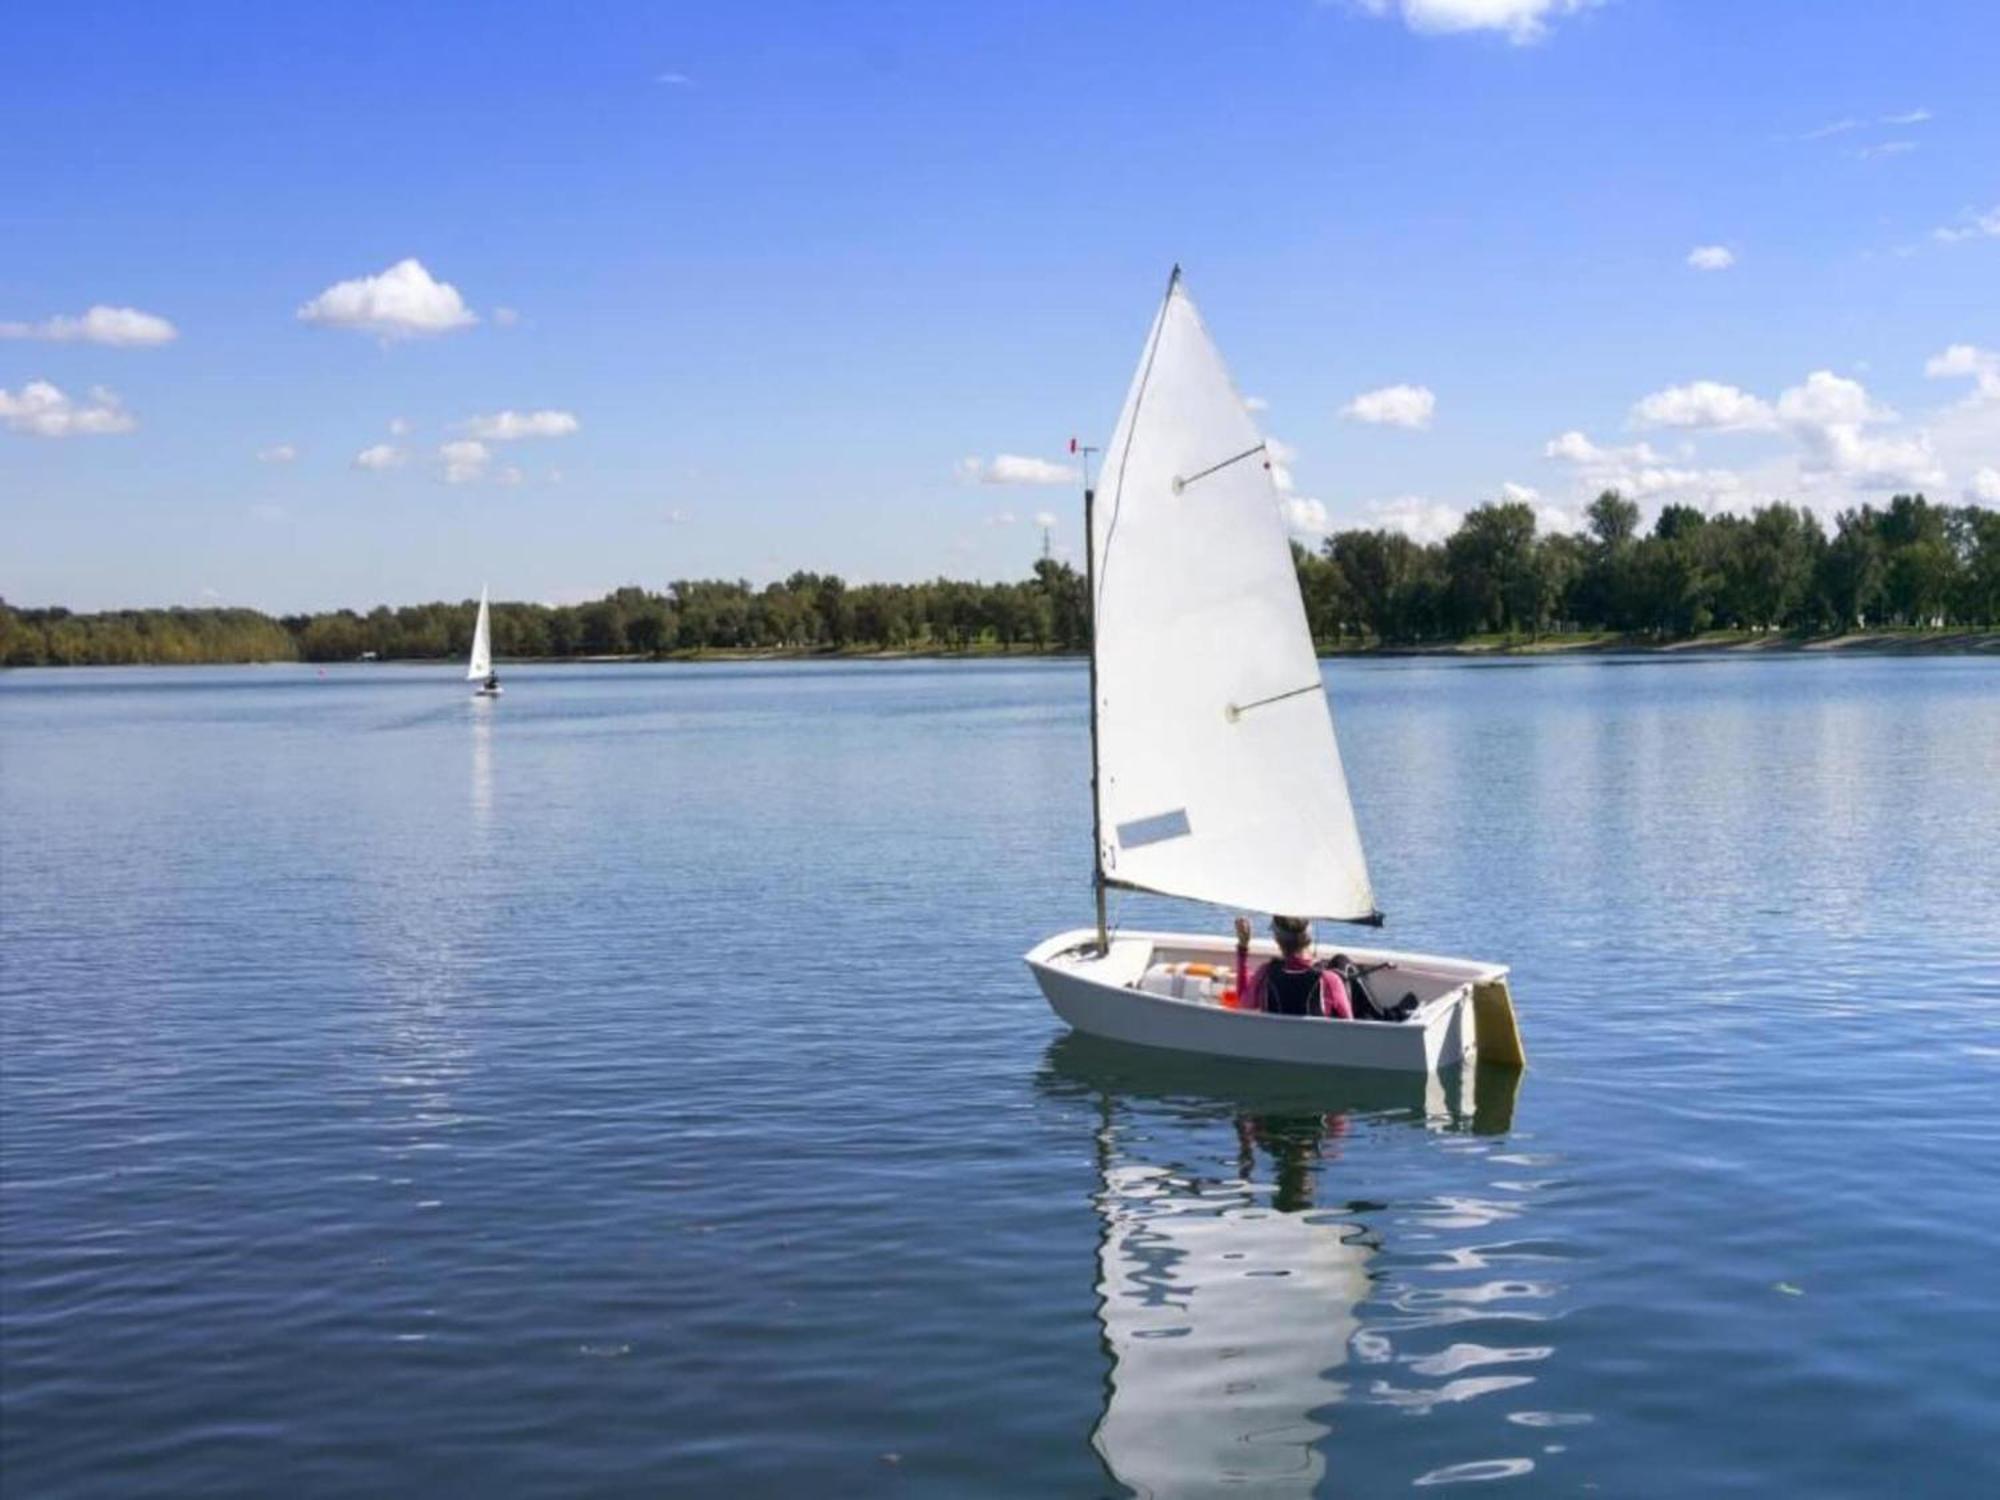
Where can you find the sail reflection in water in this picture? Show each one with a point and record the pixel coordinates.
(482, 770)
(1234, 1279)
(1227, 1320)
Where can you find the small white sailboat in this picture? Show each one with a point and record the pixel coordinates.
(1215, 774)
(480, 668)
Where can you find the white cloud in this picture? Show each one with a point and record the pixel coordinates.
(1982, 365)
(675, 517)
(1393, 406)
(1255, 403)
(277, 453)
(1013, 468)
(674, 80)
(1279, 457)
(1703, 403)
(1985, 487)
(1002, 518)
(1306, 517)
(511, 426)
(403, 302)
(122, 326)
(505, 317)
(1711, 257)
(1838, 445)
(1046, 519)
(1519, 494)
(465, 460)
(1913, 117)
(381, 456)
(1884, 148)
(1841, 452)
(509, 476)
(1829, 399)
(1566, 519)
(1523, 21)
(398, 426)
(1418, 519)
(1640, 473)
(43, 410)
(1572, 447)
(1971, 226)
(1826, 415)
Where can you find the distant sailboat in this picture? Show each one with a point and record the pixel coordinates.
(480, 668)
(1215, 774)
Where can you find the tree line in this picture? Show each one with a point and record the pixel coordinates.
(1910, 564)
(1049, 611)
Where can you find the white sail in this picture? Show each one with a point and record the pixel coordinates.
(1218, 775)
(481, 664)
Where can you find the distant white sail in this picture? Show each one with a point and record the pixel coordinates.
(1219, 778)
(481, 665)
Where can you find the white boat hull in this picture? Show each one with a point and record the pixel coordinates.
(1094, 993)
(486, 692)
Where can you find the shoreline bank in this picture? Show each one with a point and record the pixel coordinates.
(1714, 644)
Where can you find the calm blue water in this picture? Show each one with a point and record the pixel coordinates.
(633, 1088)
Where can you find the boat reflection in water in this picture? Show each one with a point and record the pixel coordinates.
(1227, 1300)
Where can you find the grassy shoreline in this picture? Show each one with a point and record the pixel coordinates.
(1893, 642)
(1716, 643)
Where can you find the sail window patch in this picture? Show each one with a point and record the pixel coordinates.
(1154, 830)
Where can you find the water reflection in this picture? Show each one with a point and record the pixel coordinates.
(1243, 1291)
(482, 761)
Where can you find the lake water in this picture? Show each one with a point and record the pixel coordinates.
(633, 1087)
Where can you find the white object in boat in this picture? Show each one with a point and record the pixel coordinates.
(480, 668)
(1215, 772)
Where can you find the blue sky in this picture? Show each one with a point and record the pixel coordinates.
(771, 286)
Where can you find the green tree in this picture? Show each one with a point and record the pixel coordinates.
(1491, 559)
(1614, 520)
(1850, 577)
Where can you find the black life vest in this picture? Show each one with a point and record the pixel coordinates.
(1361, 998)
(1291, 992)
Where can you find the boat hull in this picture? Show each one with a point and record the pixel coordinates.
(1094, 993)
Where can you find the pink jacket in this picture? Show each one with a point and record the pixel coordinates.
(1333, 1001)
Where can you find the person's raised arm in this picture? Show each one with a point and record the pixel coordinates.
(1243, 962)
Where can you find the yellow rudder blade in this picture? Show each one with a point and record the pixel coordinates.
(1497, 1032)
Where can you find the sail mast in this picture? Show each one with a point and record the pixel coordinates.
(1096, 792)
